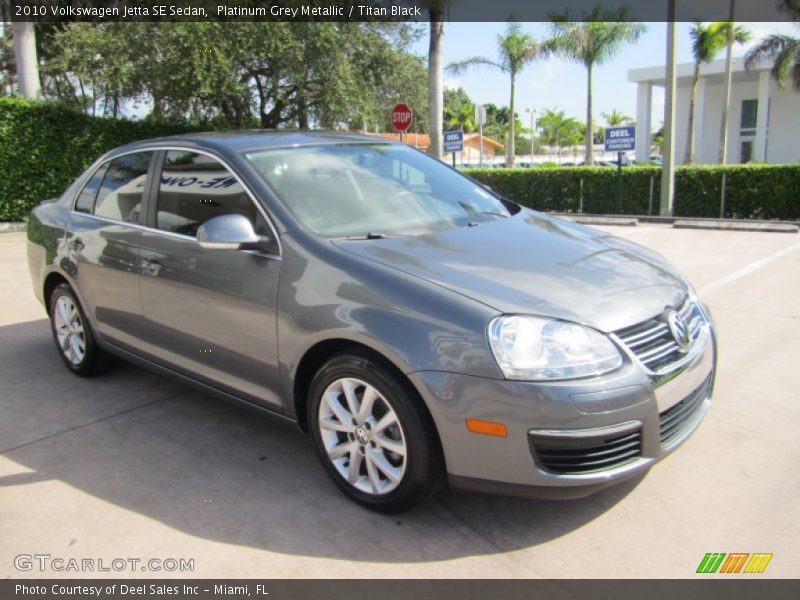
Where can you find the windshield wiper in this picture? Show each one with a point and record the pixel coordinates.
(473, 212)
(368, 236)
(492, 213)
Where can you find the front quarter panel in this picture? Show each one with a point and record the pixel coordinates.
(327, 294)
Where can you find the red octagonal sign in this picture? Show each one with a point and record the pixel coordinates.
(401, 117)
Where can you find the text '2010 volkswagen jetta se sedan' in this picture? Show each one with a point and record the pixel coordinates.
(420, 328)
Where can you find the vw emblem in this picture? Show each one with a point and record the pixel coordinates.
(679, 330)
(362, 436)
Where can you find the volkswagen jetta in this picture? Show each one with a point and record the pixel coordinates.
(422, 329)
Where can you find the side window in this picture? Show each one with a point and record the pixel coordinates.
(195, 188)
(85, 201)
(120, 195)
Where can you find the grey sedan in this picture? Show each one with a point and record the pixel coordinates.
(420, 328)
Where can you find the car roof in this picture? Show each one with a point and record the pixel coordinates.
(238, 141)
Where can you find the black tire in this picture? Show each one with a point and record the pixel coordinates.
(423, 463)
(94, 360)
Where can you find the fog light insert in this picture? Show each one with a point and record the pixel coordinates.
(580, 452)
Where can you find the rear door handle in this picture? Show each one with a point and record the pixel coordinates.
(151, 266)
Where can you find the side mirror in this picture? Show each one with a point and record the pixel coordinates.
(233, 232)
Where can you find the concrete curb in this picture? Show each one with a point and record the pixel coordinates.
(769, 226)
(11, 227)
(685, 222)
(619, 221)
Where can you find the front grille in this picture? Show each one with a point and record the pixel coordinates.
(674, 421)
(652, 342)
(577, 456)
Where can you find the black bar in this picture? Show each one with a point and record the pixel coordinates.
(708, 587)
(380, 10)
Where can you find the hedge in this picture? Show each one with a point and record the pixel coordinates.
(753, 191)
(45, 146)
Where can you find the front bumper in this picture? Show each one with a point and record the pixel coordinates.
(568, 439)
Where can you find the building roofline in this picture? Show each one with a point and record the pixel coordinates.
(658, 74)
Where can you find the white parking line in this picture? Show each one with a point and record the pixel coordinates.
(751, 268)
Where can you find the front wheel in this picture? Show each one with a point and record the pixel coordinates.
(374, 438)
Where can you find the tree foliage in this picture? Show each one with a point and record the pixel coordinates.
(273, 75)
(459, 110)
(783, 50)
(616, 119)
(557, 131)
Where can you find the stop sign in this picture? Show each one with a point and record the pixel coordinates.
(401, 117)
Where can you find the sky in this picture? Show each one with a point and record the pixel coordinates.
(555, 83)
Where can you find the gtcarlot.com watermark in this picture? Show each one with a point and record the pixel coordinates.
(45, 563)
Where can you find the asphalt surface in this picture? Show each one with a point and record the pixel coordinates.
(134, 465)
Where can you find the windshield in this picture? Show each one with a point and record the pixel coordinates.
(375, 190)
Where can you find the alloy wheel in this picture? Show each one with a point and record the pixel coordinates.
(362, 436)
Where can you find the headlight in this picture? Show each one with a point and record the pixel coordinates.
(533, 348)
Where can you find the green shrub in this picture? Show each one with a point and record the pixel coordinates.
(755, 191)
(44, 146)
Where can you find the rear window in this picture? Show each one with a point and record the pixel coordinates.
(85, 201)
(116, 189)
(120, 195)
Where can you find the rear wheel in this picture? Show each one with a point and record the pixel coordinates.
(73, 337)
(373, 437)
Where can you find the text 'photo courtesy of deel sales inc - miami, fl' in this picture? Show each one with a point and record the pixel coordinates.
(182, 590)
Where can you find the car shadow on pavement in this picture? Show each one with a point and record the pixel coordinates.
(221, 472)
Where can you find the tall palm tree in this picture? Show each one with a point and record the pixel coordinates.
(707, 41)
(784, 50)
(435, 81)
(516, 49)
(591, 42)
(26, 61)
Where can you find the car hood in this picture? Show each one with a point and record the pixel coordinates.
(536, 264)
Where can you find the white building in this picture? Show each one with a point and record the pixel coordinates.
(763, 124)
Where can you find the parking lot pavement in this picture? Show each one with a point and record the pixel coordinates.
(134, 465)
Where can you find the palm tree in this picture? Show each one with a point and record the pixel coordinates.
(558, 130)
(25, 57)
(463, 118)
(707, 41)
(517, 50)
(616, 118)
(435, 84)
(784, 50)
(593, 41)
